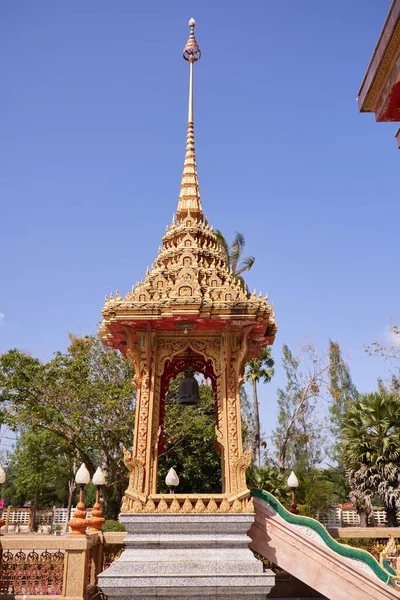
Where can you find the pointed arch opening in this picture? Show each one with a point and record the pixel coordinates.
(187, 437)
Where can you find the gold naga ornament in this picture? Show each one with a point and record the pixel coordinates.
(189, 301)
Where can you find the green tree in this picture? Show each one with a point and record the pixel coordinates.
(342, 390)
(269, 478)
(190, 447)
(361, 494)
(297, 437)
(248, 420)
(338, 479)
(259, 369)
(40, 469)
(316, 492)
(371, 450)
(84, 397)
(233, 254)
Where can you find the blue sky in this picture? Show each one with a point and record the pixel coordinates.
(93, 109)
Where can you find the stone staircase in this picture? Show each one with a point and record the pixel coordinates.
(187, 556)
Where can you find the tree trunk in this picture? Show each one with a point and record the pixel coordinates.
(363, 518)
(391, 514)
(34, 509)
(106, 504)
(71, 490)
(284, 445)
(257, 425)
(282, 457)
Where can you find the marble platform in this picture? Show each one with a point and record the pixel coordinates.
(187, 556)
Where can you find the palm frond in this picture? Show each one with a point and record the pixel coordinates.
(239, 240)
(223, 244)
(245, 265)
(233, 254)
(236, 250)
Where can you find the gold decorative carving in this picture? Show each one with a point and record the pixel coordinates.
(135, 466)
(174, 508)
(189, 272)
(187, 506)
(142, 462)
(236, 506)
(137, 506)
(224, 506)
(150, 506)
(187, 503)
(189, 282)
(162, 506)
(199, 506)
(241, 466)
(212, 506)
(170, 344)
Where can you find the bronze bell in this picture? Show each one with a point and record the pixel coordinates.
(188, 389)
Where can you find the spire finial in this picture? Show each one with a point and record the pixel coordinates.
(191, 51)
(189, 197)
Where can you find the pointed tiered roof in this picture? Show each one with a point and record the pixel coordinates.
(189, 280)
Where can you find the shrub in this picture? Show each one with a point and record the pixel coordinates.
(111, 525)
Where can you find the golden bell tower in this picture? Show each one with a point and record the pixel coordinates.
(188, 301)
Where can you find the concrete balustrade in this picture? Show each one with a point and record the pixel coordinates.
(39, 565)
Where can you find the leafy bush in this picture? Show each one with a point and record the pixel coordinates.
(111, 525)
(269, 479)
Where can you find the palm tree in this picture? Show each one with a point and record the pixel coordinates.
(259, 369)
(233, 254)
(371, 449)
(269, 479)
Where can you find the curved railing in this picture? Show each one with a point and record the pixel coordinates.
(387, 576)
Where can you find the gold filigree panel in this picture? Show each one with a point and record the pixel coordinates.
(190, 503)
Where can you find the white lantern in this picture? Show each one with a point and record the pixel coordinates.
(292, 481)
(2, 475)
(82, 476)
(172, 479)
(98, 478)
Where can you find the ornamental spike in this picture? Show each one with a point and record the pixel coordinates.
(189, 197)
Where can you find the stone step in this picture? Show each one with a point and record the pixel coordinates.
(187, 556)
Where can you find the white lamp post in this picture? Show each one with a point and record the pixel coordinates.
(293, 483)
(172, 480)
(78, 524)
(96, 520)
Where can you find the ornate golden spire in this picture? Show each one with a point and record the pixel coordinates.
(189, 197)
(190, 278)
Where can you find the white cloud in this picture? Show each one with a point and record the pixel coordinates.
(2, 315)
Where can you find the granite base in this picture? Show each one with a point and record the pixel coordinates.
(187, 556)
